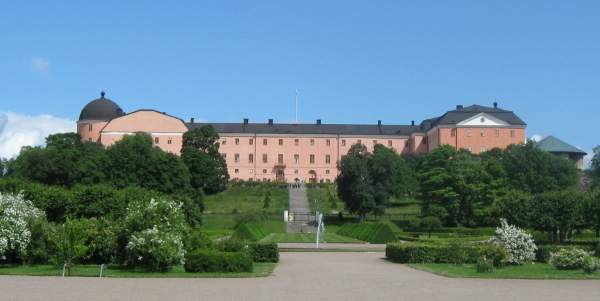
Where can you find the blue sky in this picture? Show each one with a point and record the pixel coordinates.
(351, 62)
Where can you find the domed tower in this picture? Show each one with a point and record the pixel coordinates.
(95, 115)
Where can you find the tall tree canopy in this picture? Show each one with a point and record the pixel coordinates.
(200, 153)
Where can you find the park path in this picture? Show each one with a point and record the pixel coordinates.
(302, 276)
(303, 221)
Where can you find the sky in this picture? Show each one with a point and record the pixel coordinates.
(350, 61)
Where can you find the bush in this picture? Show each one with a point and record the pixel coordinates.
(376, 233)
(518, 243)
(211, 261)
(543, 252)
(431, 253)
(153, 250)
(591, 264)
(264, 252)
(252, 231)
(16, 216)
(252, 215)
(415, 223)
(195, 240)
(497, 253)
(485, 265)
(71, 241)
(568, 259)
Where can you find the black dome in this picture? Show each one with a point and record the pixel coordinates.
(101, 109)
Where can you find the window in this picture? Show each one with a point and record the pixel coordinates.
(312, 142)
(343, 142)
(280, 141)
(224, 141)
(251, 141)
(468, 133)
(295, 171)
(237, 158)
(406, 143)
(264, 158)
(296, 158)
(90, 139)
(156, 140)
(169, 140)
(389, 142)
(327, 171)
(250, 170)
(374, 142)
(224, 155)
(237, 141)
(482, 149)
(250, 158)
(482, 133)
(424, 140)
(359, 142)
(328, 180)
(468, 148)
(237, 170)
(327, 142)
(280, 158)
(264, 171)
(512, 133)
(264, 141)
(296, 142)
(497, 133)
(250, 179)
(90, 127)
(327, 159)
(453, 133)
(312, 159)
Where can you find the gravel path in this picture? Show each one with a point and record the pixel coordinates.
(299, 205)
(303, 276)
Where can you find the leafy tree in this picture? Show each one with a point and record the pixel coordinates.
(431, 223)
(558, 211)
(514, 207)
(49, 166)
(200, 153)
(366, 180)
(595, 166)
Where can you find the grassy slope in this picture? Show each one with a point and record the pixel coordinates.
(244, 198)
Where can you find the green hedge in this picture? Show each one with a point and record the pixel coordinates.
(264, 252)
(211, 261)
(430, 253)
(373, 232)
(542, 254)
(251, 231)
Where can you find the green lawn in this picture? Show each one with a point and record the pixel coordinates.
(308, 237)
(115, 271)
(527, 271)
(243, 198)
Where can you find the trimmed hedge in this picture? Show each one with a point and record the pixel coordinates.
(542, 254)
(251, 231)
(211, 261)
(373, 232)
(264, 252)
(430, 253)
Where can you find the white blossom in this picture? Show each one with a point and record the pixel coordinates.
(14, 211)
(518, 243)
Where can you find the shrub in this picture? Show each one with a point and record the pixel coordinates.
(518, 243)
(591, 264)
(15, 215)
(543, 252)
(484, 265)
(264, 252)
(252, 215)
(251, 231)
(415, 223)
(71, 241)
(197, 239)
(153, 250)
(233, 244)
(377, 233)
(430, 253)
(497, 253)
(211, 261)
(568, 259)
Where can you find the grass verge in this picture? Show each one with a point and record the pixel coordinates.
(527, 271)
(115, 271)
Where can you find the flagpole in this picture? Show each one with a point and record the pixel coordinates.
(296, 106)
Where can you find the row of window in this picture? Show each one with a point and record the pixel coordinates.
(482, 149)
(237, 170)
(297, 142)
(483, 133)
(157, 140)
(265, 158)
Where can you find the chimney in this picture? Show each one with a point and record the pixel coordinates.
(270, 121)
(379, 122)
(192, 120)
(245, 120)
(412, 122)
(459, 107)
(318, 121)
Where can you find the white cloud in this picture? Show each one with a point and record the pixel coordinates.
(17, 130)
(536, 137)
(39, 65)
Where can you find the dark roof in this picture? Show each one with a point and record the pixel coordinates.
(101, 109)
(461, 114)
(329, 129)
(554, 145)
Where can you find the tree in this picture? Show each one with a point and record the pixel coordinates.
(200, 153)
(558, 211)
(366, 180)
(595, 167)
(513, 207)
(431, 223)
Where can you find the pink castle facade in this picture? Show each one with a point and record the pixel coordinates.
(288, 152)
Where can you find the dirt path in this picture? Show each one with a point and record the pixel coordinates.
(303, 276)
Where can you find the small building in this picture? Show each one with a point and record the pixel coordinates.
(560, 148)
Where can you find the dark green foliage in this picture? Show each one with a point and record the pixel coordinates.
(595, 167)
(485, 265)
(560, 211)
(497, 253)
(200, 153)
(252, 231)
(264, 252)
(376, 233)
(431, 223)
(430, 253)
(212, 261)
(266, 202)
(250, 215)
(196, 239)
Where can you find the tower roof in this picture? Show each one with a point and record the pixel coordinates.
(101, 109)
(552, 144)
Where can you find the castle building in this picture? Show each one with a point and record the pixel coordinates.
(288, 152)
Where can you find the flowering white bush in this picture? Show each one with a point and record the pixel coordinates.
(155, 229)
(568, 259)
(14, 214)
(518, 243)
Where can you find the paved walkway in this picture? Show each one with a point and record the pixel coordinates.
(303, 276)
(299, 206)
